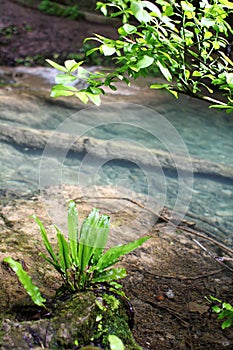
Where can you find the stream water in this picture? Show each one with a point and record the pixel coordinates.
(206, 133)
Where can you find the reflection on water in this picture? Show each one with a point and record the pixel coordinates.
(207, 134)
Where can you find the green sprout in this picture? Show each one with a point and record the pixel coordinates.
(223, 310)
(81, 260)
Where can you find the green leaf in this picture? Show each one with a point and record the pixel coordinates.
(108, 50)
(145, 62)
(137, 10)
(164, 71)
(82, 95)
(127, 29)
(83, 73)
(94, 98)
(109, 275)
(89, 52)
(174, 93)
(93, 237)
(46, 241)
(73, 231)
(51, 262)
(72, 65)
(62, 90)
(187, 6)
(216, 45)
(207, 22)
(228, 307)
(229, 79)
(115, 342)
(168, 10)
(113, 87)
(227, 4)
(95, 90)
(102, 233)
(87, 238)
(65, 78)
(64, 258)
(221, 106)
(214, 299)
(227, 323)
(103, 9)
(197, 74)
(112, 255)
(216, 309)
(57, 66)
(139, 13)
(26, 281)
(153, 8)
(208, 35)
(159, 86)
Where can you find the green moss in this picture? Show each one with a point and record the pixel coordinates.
(83, 319)
(54, 9)
(114, 320)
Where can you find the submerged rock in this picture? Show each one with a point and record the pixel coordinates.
(39, 139)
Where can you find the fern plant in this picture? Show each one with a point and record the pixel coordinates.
(81, 260)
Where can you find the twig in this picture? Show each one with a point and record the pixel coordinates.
(217, 259)
(182, 278)
(164, 307)
(212, 240)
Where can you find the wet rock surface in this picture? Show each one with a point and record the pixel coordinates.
(38, 139)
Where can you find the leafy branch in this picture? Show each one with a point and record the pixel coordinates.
(187, 44)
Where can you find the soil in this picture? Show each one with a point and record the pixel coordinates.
(27, 35)
(169, 277)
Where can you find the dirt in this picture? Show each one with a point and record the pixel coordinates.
(28, 35)
(169, 277)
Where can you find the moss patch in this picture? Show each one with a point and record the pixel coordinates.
(83, 318)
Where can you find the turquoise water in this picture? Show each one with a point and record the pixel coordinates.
(207, 134)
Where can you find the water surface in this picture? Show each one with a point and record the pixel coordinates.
(207, 135)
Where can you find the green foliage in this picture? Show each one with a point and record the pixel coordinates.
(73, 72)
(115, 342)
(80, 260)
(9, 31)
(54, 9)
(223, 310)
(26, 281)
(187, 43)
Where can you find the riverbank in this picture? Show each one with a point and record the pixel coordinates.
(168, 277)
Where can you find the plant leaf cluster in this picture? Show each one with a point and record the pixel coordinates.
(187, 43)
(223, 310)
(54, 9)
(81, 260)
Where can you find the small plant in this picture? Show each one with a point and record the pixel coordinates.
(9, 31)
(80, 260)
(224, 311)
